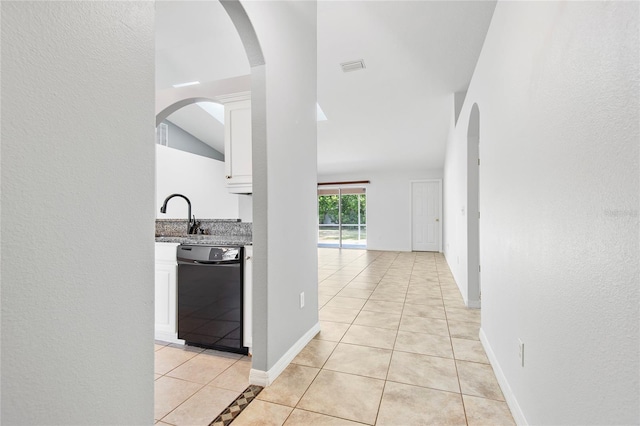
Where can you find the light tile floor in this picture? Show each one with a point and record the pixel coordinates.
(193, 385)
(397, 347)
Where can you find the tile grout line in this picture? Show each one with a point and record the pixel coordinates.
(455, 364)
(337, 344)
(384, 384)
(322, 366)
(440, 276)
(305, 392)
(387, 265)
(176, 378)
(219, 421)
(202, 387)
(386, 378)
(188, 398)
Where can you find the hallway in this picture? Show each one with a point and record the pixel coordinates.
(397, 347)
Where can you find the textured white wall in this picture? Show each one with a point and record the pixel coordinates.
(245, 207)
(455, 203)
(388, 205)
(460, 201)
(77, 212)
(200, 179)
(557, 89)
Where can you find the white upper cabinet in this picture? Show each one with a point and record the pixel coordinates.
(237, 142)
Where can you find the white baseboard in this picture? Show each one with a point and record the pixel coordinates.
(168, 337)
(510, 398)
(464, 297)
(473, 304)
(265, 378)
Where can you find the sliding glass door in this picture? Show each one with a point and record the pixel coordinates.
(329, 217)
(342, 217)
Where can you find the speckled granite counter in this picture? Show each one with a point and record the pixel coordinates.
(220, 232)
(209, 240)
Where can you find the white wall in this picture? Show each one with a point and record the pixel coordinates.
(388, 205)
(283, 102)
(557, 89)
(245, 207)
(178, 138)
(77, 212)
(455, 203)
(460, 209)
(201, 179)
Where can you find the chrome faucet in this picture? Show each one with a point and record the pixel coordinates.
(163, 209)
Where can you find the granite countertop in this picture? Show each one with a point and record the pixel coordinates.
(214, 240)
(214, 232)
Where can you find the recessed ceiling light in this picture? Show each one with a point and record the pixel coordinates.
(191, 83)
(352, 65)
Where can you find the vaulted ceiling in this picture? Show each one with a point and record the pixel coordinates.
(393, 114)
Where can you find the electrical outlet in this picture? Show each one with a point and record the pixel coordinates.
(302, 300)
(521, 352)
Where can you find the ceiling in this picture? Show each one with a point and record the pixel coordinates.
(392, 115)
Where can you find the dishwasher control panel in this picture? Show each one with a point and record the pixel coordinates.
(199, 253)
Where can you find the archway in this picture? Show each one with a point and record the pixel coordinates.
(473, 208)
(166, 112)
(278, 271)
(172, 100)
(255, 56)
(245, 29)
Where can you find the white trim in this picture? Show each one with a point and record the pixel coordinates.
(473, 304)
(164, 336)
(510, 398)
(339, 186)
(259, 377)
(411, 182)
(233, 97)
(265, 378)
(465, 299)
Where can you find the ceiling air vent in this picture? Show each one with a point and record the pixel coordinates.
(352, 66)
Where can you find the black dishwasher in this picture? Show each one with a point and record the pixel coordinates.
(210, 297)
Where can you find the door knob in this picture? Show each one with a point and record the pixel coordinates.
(437, 220)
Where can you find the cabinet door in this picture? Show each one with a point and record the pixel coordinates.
(237, 155)
(165, 301)
(248, 304)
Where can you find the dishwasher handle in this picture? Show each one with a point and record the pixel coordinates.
(208, 262)
(217, 262)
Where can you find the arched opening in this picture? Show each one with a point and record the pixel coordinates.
(169, 101)
(245, 29)
(167, 111)
(473, 208)
(279, 273)
(255, 56)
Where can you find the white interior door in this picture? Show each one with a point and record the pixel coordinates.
(425, 215)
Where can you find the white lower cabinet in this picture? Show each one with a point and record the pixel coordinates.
(247, 290)
(166, 324)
